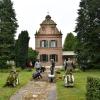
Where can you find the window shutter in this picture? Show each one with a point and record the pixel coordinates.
(40, 43)
(46, 43)
(40, 57)
(46, 57)
(56, 43)
(56, 57)
(50, 44)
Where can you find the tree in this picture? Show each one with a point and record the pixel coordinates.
(22, 49)
(32, 54)
(69, 43)
(8, 27)
(88, 33)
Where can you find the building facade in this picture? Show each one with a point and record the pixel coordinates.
(48, 42)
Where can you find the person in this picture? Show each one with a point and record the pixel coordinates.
(37, 65)
(69, 65)
(65, 64)
(51, 75)
(52, 66)
(37, 74)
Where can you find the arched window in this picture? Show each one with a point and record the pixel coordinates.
(44, 58)
(44, 43)
(53, 43)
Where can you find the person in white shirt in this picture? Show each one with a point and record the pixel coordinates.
(37, 65)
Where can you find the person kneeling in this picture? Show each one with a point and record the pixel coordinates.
(37, 74)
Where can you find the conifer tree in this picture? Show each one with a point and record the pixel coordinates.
(22, 49)
(8, 27)
(88, 33)
(69, 43)
(32, 54)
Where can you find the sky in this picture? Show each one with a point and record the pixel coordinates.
(31, 13)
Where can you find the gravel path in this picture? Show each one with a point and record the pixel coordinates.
(52, 93)
(37, 90)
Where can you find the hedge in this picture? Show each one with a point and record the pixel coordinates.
(93, 88)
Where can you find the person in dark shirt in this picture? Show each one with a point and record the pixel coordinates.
(52, 66)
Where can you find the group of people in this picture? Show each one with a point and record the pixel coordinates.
(68, 67)
(39, 69)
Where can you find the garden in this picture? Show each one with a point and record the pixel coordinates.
(78, 92)
(6, 92)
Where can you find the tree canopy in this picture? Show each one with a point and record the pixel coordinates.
(22, 49)
(69, 43)
(88, 33)
(8, 27)
(32, 54)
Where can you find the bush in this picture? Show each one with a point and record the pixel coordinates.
(2, 64)
(93, 88)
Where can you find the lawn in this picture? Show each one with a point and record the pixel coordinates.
(79, 90)
(76, 93)
(6, 92)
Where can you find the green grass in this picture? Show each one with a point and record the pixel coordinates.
(6, 92)
(76, 93)
(79, 90)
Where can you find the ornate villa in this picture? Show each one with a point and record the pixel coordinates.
(48, 42)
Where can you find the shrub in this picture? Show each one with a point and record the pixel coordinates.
(93, 88)
(2, 64)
